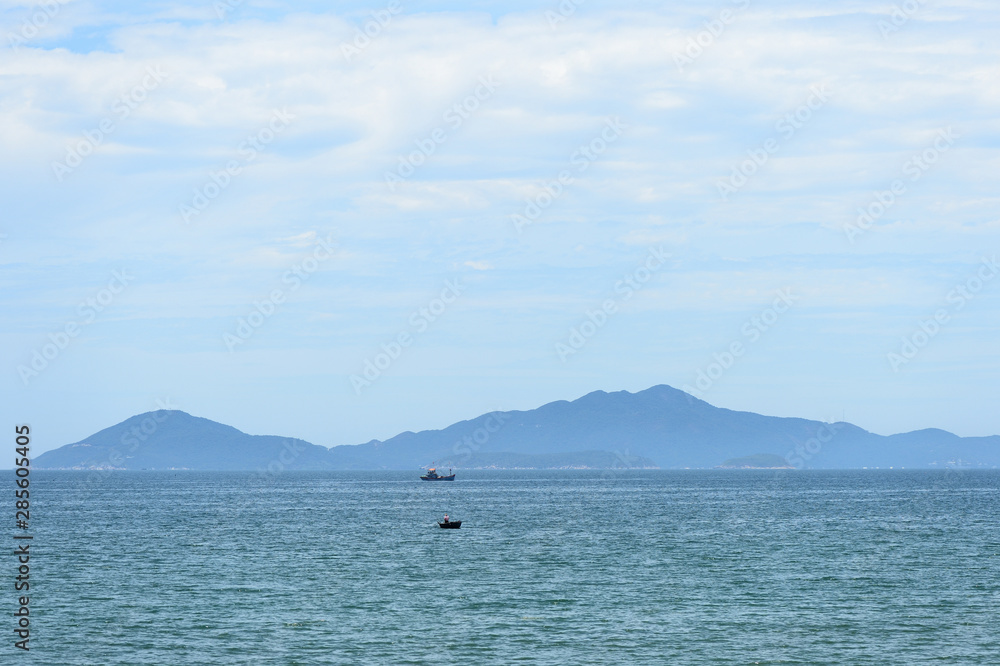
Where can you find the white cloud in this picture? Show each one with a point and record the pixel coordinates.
(355, 119)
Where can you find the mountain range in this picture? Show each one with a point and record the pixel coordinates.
(659, 427)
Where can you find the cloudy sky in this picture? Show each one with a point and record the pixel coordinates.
(343, 224)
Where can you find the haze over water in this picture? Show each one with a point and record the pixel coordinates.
(550, 567)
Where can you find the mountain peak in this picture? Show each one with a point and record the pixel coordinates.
(173, 439)
(667, 426)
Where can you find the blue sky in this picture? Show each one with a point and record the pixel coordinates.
(788, 207)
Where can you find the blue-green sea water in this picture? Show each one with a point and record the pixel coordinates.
(549, 567)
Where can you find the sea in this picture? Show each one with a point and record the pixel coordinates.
(554, 567)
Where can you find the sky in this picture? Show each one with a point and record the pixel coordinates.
(342, 224)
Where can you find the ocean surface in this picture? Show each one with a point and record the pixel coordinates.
(549, 567)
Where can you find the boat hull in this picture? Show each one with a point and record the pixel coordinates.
(450, 525)
(438, 478)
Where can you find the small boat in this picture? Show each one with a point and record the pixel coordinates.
(450, 525)
(432, 475)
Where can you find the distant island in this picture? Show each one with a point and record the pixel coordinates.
(579, 460)
(757, 461)
(660, 427)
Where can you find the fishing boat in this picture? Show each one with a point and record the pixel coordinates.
(432, 475)
(450, 524)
